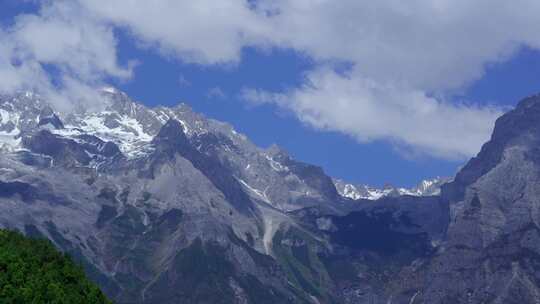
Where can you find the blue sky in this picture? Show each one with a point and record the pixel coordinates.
(157, 81)
(215, 89)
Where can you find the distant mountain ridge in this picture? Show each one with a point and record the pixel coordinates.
(428, 187)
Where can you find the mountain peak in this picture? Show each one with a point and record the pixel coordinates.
(171, 130)
(278, 152)
(171, 137)
(51, 121)
(519, 127)
(528, 102)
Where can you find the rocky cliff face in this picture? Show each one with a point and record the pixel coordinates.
(163, 205)
(491, 252)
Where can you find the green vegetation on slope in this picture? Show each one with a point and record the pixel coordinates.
(33, 271)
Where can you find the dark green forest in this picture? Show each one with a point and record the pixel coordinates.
(33, 271)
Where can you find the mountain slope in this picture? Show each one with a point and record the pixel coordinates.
(491, 253)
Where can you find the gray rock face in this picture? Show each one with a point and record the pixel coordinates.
(490, 254)
(163, 205)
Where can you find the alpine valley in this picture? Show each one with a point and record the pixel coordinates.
(163, 205)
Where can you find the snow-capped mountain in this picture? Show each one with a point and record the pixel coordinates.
(427, 187)
(132, 126)
(163, 205)
(129, 125)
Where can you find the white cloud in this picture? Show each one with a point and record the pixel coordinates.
(65, 38)
(430, 45)
(202, 31)
(368, 111)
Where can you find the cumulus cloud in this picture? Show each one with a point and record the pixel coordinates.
(400, 55)
(369, 111)
(432, 45)
(61, 52)
(203, 31)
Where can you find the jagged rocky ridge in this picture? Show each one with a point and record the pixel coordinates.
(491, 252)
(163, 205)
(428, 187)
